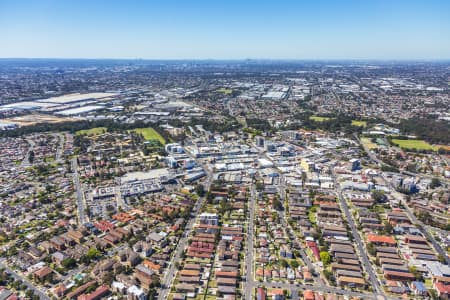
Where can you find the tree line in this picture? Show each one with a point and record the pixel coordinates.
(74, 126)
(431, 130)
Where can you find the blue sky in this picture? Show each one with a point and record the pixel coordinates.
(225, 29)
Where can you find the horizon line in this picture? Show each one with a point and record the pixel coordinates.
(230, 59)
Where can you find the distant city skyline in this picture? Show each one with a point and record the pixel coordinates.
(299, 30)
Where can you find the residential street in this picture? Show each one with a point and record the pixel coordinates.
(359, 243)
(30, 285)
(82, 218)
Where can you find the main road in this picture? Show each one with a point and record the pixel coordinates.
(249, 278)
(82, 218)
(170, 273)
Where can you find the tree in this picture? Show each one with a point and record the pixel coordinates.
(435, 182)
(378, 196)
(328, 275)
(259, 186)
(92, 253)
(29, 294)
(69, 263)
(156, 281)
(388, 227)
(294, 264)
(200, 190)
(276, 204)
(304, 177)
(284, 263)
(151, 294)
(441, 259)
(325, 257)
(371, 249)
(425, 217)
(31, 156)
(415, 272)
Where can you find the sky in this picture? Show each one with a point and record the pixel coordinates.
(225, 29)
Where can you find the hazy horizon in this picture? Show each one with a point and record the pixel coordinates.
(375, 60)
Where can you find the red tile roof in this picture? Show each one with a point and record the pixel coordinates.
(374, 238)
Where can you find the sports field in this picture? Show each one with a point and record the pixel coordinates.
(150, 134)
(92, 131)
(319, 119)
(368, 143)
(225, 91)
(414, 144)
(359, 123)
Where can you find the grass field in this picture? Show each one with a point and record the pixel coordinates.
(368, 143)
(319, 119)
(414, 144)
(92, 131)
(150, 134)
(359, 123)
(225, 91)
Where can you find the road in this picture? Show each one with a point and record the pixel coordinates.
(82, 218)
(25, 162)
(427, 233)
(295, 288)
(28, 283)
(360, 246)
(60, 148)
(425, 228)
(250, 283)
(170, 273)
(408, 210)
(379, 162)
(249, 278)
(289, 229)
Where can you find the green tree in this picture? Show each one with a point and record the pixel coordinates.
(284, 263)
(388, 227)
(435, 182)
(259, 186)
(371, 249)
(378, 196)
(325, 257)
(276, 204)
(294, 264)
(69, 263)
(200, 190)
(416, 273)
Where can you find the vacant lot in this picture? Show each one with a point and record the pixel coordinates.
(359, 123)
(319, 119)
(414, 144)
(34, 118)
(150, 134)
(92, 131)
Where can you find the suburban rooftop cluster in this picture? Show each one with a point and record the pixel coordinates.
(224, 180)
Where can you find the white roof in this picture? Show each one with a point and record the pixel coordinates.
(76, 97)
